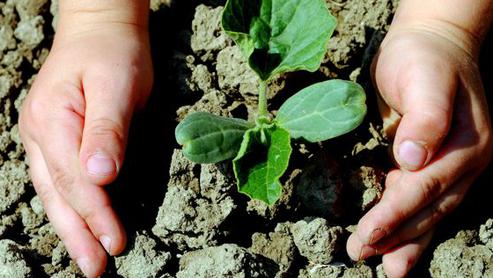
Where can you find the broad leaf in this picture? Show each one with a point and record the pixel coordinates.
(262, 160)
(279, 36)
(324, 110)
(208, 138)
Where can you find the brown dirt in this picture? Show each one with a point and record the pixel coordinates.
(190, 221)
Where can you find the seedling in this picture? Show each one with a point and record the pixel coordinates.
(275, 36)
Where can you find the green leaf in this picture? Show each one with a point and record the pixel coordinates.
(261, 161)
(278, 36)
(207, 138)
(324, 110)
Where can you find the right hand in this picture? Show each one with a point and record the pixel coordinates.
(433, 94)
(74, 124)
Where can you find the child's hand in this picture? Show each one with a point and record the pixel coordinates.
(74, 126)
(429, 76)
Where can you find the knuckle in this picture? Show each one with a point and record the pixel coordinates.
(108, 129)
(90, 215)
(44, 194)
(33, 110)
(62, 181)
(443, 207)
(406, 264)
(486, 147)
(397, 212)
(437, 212)
(430, 188)
(437, 118)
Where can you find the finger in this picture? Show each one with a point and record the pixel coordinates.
(415, 190)
(398, 262)
(426, 94)
(79, 241)
(60, 144)
(392, 177)
(357, 250)
(426, 219)
(355, 247)
(419, 224)
(108, 114)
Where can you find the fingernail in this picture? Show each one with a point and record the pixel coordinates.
(366, 252)
(100, 165)
(85, 266)
(412, 155)
(376, 235)
(106, 242)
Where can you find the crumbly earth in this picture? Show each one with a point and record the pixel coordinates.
(469, 254)
(142, 260)
(316, 240)
(12, 261)
(190, 221)
(228, 260)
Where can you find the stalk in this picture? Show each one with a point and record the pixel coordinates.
(263, 113)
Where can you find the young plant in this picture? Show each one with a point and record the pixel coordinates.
(276, 36)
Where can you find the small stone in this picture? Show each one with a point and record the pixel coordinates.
(359, 271)
(37, 205)
(322, 271)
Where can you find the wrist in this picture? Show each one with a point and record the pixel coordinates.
(90, 15)
(463, 23)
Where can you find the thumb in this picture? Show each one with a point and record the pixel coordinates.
(107, 119)
(426, 94)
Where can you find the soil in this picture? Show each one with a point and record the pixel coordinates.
(188, 220)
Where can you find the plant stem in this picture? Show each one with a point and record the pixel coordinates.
(262, 100)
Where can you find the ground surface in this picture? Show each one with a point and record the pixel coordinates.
(187, 220)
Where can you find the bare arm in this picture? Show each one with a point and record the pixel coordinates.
(464, 22)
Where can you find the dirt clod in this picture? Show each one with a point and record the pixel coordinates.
(194, 206)
(208, 37)
(142, 260)
(227, 260)
(13, 182)
(12, 261)
(277, 246)
(317, 240)
(463, 256)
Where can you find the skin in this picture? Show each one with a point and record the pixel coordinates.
(99, 72)
(433, 105)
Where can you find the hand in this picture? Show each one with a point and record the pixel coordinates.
(443, 137)
(74, 126)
